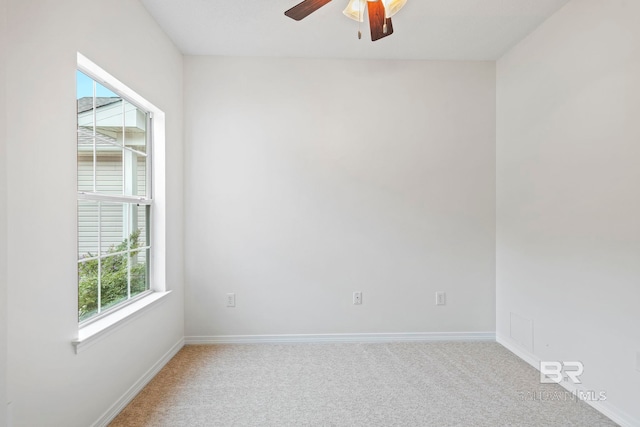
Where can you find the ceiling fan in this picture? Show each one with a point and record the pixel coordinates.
(379, 11)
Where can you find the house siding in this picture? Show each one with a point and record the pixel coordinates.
(110, 180)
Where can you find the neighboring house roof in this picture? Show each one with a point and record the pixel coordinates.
(85, 135)
(86, 103)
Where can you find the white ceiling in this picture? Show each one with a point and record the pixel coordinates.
(424, 29)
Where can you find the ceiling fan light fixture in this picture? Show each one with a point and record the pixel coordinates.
(378, 11)
(393, 6)
(355, 10)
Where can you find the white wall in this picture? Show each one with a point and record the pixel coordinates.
(568, 195)
(307, 180)
(49, 384)
(3, 218)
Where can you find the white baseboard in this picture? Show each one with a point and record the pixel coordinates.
(345, 338)
(128, 396)
(604, 407)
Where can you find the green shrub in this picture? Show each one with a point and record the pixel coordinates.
(114, 278)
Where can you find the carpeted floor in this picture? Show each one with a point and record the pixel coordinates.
(399, 384)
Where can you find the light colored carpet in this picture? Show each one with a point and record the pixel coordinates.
(399, 384)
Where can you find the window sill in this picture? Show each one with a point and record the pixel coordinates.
(94, 332)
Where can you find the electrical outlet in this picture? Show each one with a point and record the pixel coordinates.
(357, 298)
(231, 300)
(441, 298)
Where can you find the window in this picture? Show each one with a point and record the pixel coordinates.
(115, 203)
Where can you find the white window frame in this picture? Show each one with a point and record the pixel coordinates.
(92, 329)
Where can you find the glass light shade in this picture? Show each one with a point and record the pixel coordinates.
(355, 10)
(393, 6)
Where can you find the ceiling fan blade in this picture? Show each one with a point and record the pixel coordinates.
(304, 9)
(377, 20)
